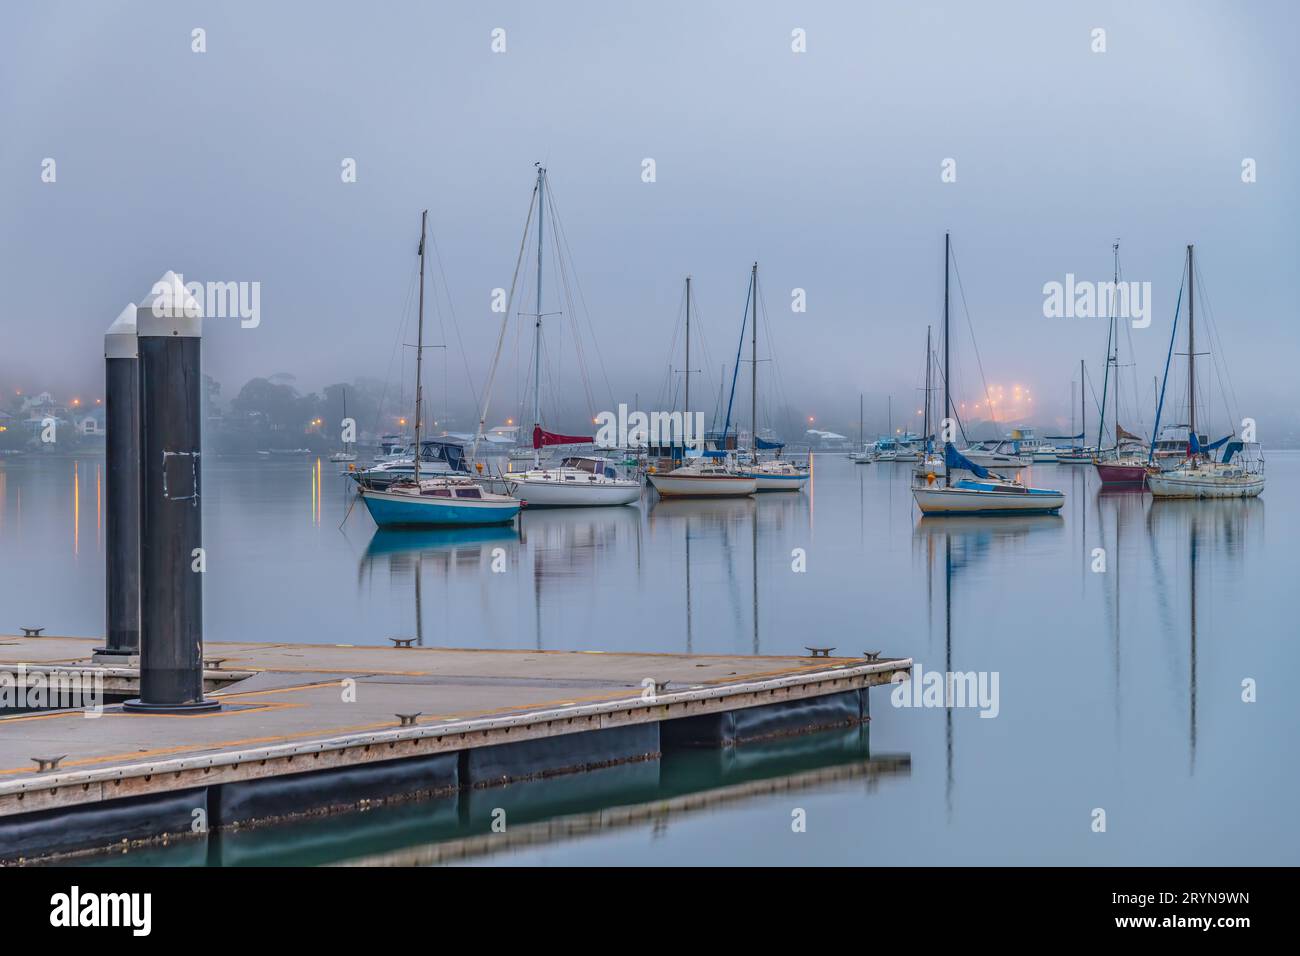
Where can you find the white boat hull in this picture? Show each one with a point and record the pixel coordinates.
(959, 501)
(781, 482)
(1174, 485)
(544, 493)
(996, 462)
(703, 486)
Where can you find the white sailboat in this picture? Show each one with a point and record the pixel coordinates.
(773, 474)
(986, 493)
(346, 454)
(931, 464)
(703, 478)
(867, 453)
(711, 474)
(573, 484)
(1199, 476)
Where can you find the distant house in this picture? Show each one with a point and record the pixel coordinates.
(92, 425)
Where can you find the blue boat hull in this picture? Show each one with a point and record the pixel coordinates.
(390, 511)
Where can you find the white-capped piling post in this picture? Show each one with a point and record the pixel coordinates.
(169, 326)
(122, 488)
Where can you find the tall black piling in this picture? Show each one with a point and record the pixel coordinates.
(122, 488)
(169, 327)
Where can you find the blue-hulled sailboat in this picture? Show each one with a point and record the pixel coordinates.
(443, 501)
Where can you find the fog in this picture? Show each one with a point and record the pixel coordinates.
(823, 166)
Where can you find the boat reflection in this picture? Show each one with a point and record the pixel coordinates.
(1197, 532)
(452, 547)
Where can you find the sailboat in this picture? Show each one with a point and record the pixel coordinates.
(578, 482)
(987, 493)
(345, 455)
(774, 474)
(931, 464)
(1126, 463)
(433, 502)
(1077, 454)
(865, 454)
(709, 475)
(1200, 476)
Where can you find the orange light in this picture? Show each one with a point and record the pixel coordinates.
(510, 421)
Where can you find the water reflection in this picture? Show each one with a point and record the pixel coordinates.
(452, 555)
(654, 795)
(1184, 535)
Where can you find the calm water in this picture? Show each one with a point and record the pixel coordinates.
(1120, 690)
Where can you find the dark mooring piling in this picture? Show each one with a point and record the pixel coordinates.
(122, 487)
(169, 326)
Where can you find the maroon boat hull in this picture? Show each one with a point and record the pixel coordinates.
(1118, 473)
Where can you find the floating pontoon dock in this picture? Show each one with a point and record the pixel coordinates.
(312, 728)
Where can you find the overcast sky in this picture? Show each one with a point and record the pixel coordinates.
(824, 166)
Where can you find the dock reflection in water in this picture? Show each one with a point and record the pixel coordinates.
(649, 796)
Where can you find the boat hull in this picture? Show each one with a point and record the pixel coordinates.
(1172, 485)
(1117, 473)
(391, 509)
(996, 462)
(961, 501)
(560, 494)
(777, 482)
(702, 486)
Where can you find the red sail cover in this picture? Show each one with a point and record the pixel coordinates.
(541, 438)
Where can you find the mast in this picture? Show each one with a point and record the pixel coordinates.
(926, 418)
(1115, 319)
(1191, 348)
(1083, 409)
(537, 326)
(947, 396)
(419, 349)
(753, 381)
(687, 409)
(1111, 345)
(861, 441)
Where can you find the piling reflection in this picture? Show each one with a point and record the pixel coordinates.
(651, 794)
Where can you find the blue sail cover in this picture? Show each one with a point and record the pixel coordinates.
(764, 443)
(1231, 450)
(952, 458)
(1198, 448)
